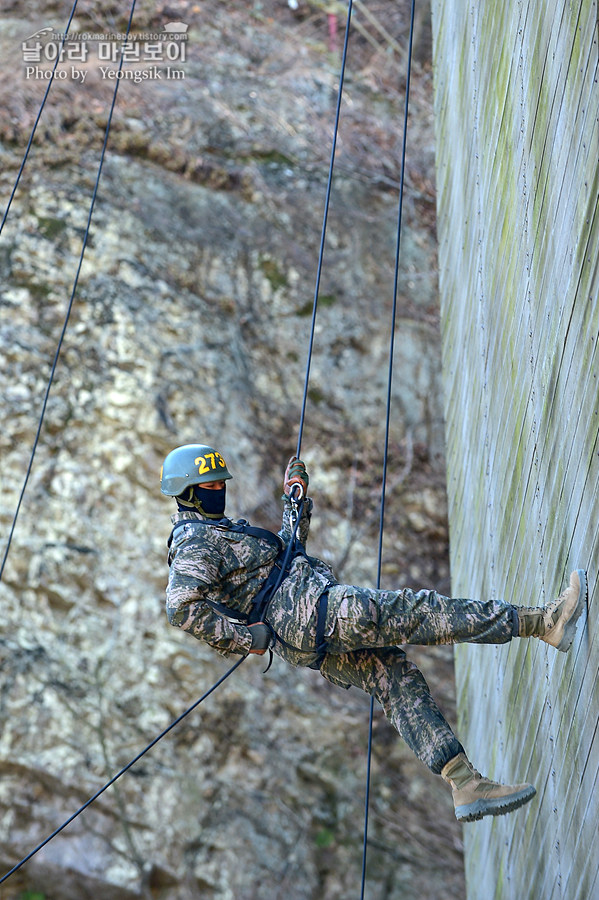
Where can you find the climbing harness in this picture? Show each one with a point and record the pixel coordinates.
(286, 553)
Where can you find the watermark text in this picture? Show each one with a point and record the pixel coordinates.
(160, 54)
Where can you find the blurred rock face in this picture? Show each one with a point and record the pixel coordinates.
(191, 323)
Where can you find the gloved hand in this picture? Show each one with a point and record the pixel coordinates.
(261, 637)
(295, 473)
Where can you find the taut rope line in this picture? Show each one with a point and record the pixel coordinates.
(38, 117)
(123, 770)
(324, 225)
(388, 412)
(69, 307)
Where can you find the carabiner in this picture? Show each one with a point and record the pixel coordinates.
(295, 498)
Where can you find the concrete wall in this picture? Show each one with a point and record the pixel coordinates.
(517, 99)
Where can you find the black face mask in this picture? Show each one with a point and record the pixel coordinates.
(212, 502)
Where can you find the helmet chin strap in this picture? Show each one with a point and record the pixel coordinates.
(191, 501)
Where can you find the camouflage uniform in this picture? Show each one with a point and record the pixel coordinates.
(215, 573)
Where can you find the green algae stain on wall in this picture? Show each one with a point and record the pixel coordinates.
(517, 131)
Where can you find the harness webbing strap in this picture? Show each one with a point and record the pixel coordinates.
(273, 581)
(321, 618)
(276, 576)
(241, 527)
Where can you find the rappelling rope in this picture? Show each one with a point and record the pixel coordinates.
(124, 769)
(38, 117)
(391, 347)
(388, 412)
(324, 225)
(70, 304)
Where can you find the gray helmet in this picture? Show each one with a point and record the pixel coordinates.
(191, 464)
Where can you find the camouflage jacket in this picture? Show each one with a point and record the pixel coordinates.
(215, 573)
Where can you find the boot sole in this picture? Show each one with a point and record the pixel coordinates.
(472, 812)
(567, 637)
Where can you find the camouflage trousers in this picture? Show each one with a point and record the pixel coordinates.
(363, 630)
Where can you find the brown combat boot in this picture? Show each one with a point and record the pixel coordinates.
(475, 796)
(556, 622)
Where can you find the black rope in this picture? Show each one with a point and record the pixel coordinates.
(291, 546)
(38, 117)
(388, 414)
(324, 226)
(69, 307)
(123, 770)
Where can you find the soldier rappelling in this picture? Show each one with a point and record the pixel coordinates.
(243, 589)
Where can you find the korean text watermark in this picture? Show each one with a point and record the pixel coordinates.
(133, 56)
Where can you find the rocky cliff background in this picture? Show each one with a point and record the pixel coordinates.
(191, 323)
